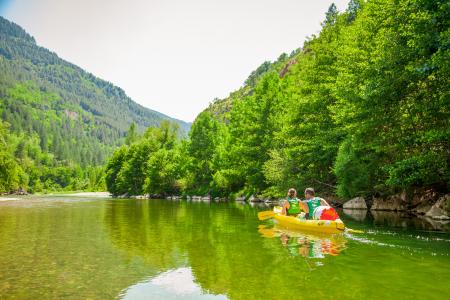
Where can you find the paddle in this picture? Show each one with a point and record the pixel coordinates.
(348, 230)
(264, 215)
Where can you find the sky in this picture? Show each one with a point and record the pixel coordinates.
(172, 56)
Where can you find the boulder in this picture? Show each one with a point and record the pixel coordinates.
(254, 199)
(422, 197)
(439, 210)
(356, 203)
(395, 202)
(240, 199)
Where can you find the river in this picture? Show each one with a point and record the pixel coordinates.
(66, 247)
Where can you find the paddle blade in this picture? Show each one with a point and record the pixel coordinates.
(348, 230)
(264, 215)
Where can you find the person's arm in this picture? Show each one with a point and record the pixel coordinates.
(286, 206)
(304, 206)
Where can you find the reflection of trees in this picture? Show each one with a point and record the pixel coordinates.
(56, 250)
(147, 231)
(219, 241)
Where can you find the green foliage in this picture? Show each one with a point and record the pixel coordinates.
(152, 164)
(162, 173)
(420, 170)
(113, 167)
(205, 136)
(9, 173)
(132, 135)
(64, 122)
(107, 106)
(361, 108)
(353, 171)
(23, 165)
(255, 75)
(331, 15)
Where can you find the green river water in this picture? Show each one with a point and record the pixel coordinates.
(90, 248)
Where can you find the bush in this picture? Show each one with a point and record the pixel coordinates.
(419, 170)
(353, 171)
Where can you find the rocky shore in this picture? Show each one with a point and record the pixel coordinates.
(428, 203)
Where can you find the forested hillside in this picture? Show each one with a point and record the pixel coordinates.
(361, 109)
(58, 122)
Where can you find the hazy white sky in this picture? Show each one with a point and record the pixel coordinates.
(173, 56)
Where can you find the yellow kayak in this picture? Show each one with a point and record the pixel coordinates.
(324, 226)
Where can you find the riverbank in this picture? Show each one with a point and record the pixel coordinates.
(423, 203)
(14, 197)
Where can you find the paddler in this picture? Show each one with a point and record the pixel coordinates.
(312, 202)
(292, 206)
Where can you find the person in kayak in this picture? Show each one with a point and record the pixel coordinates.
(292, 206)
(312, 202)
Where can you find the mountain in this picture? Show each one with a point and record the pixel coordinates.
(221, 107)
(76, 116)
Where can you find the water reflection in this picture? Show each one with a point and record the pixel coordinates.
(394, 219)
(150, 249)
(304, 244)
(356, 214)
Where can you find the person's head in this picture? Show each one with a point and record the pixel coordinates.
(309, 193)
(292, 193)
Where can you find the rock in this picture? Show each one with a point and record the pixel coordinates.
(442, 217)
(206, 198)
(254, 199)
(423, 200)
(424, 197)
(395, 202)
(196, 198)
(356, 203)
(422, 208)
(240, 199)
(21, 191)
(268, 201)
(439, 210)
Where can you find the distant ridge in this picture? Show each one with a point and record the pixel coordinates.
(101, 111)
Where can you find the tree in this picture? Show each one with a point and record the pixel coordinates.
(331, 15)
(132, 135)
(352, 10)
